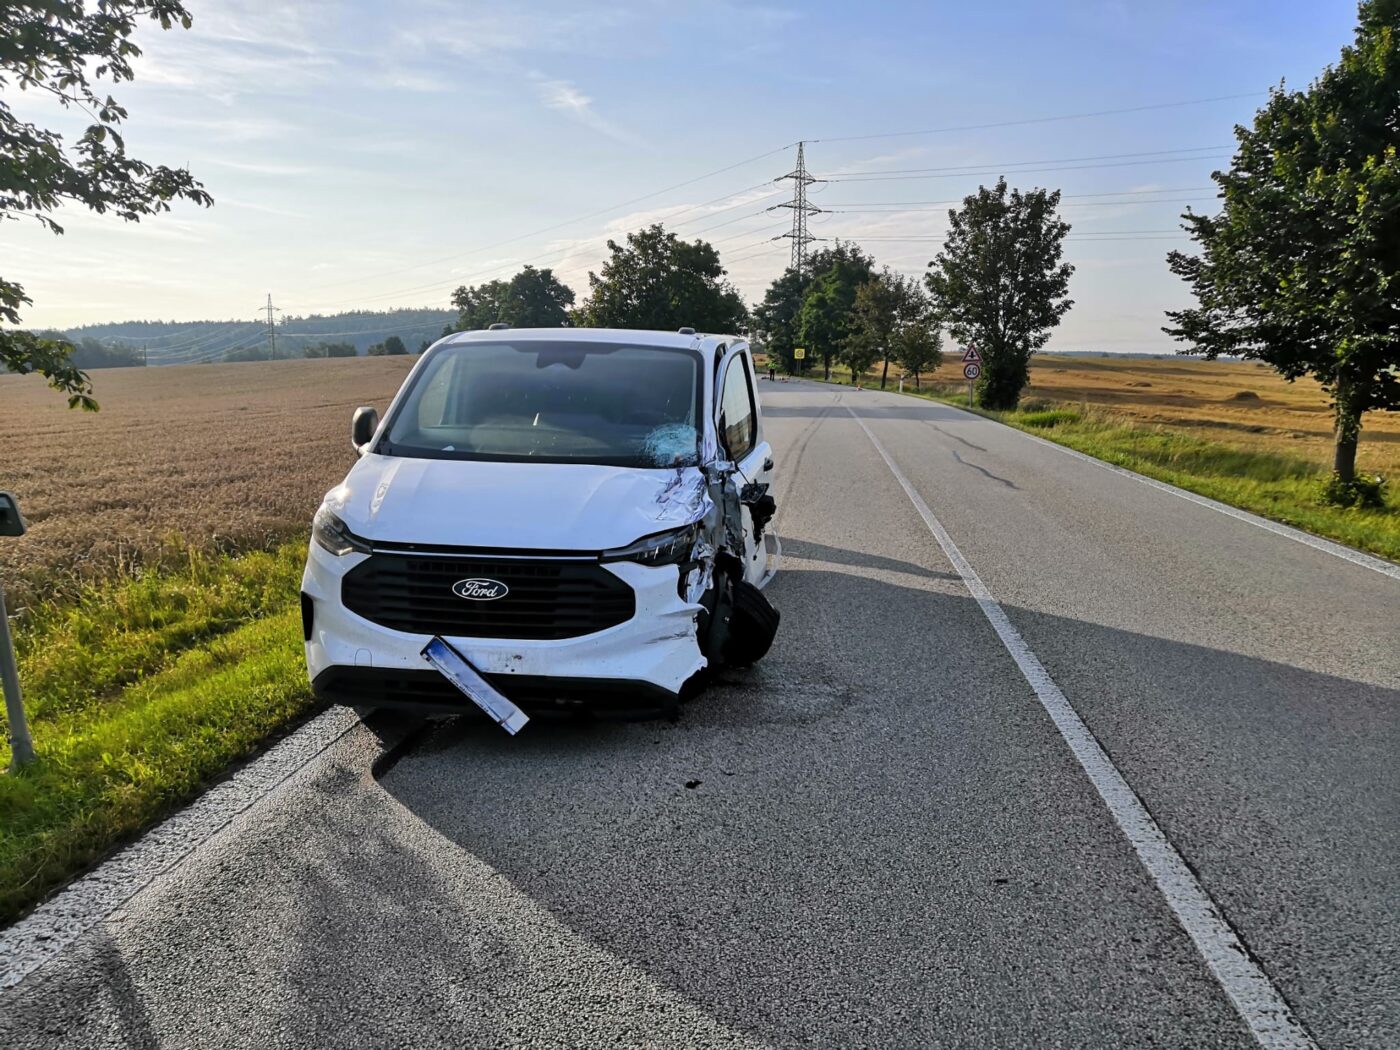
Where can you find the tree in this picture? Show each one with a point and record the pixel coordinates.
(538, 299)
(531, 299)
(859, 353)
(656, 280)
(1300, 267)
(777, 317)
(919, 346)
(479, 306)
(393, 346)
(893, 320)
(1000, 285)
(63, 49)
(882, 306)
(248, 353)
(824, 320)
(93, 353)
(330, 350)
(376, 350)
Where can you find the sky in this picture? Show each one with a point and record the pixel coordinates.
(372, 155)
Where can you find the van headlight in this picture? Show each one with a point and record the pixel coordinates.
(662, 548)
(331, 534)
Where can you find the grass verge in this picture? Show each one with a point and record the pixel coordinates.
(139, 695)
(1283, 488)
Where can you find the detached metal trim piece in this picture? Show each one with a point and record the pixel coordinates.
(454, 667)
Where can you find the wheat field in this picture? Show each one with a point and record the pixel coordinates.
(215, 457)
(1244, 405)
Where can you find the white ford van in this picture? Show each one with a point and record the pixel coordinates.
(578, 515)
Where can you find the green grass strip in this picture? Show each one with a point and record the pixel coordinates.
(1283, 488)
(133, 717)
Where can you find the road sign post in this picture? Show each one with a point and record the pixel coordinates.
(972, 368)
(799, 354)
(21, 744)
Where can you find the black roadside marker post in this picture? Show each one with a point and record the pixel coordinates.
(21, 745)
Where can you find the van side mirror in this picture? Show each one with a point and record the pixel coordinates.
(363, 426)
(11, 523)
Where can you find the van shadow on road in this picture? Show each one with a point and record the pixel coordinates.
(883, 842)
(821, 552)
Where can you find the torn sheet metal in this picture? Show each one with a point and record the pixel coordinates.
(698, 582)
(683, 497)
(724, 495)
(454, 667)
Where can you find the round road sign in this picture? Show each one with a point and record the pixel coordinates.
(972, 371)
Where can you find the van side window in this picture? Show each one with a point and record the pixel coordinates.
(737, 418)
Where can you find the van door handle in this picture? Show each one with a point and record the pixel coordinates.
(768, 463)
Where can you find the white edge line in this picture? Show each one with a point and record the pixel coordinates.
(43, 934)
(1254, 996)
(1337, 550)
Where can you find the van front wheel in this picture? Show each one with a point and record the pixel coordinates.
(752, 627)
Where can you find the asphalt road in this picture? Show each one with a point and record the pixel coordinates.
(877, 837)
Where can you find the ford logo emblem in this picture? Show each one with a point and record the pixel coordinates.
(479, 590)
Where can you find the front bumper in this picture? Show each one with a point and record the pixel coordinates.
(639, 666)
(429, 693)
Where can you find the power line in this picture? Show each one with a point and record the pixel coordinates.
(561, 253)
(847, 176)
(229, 330)
(746, 233)
(566, 222)
(1042, 120)
(1031, 170)
(1072, 204)
(1063, 196)
(185, 332)
(1095, 235)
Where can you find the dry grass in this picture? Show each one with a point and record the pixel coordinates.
(1245, 406)
(215, 457)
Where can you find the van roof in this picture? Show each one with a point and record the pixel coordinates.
(706, 344)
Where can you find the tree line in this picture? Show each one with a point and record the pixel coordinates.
(999, 283)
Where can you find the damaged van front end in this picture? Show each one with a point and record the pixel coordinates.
(558, 523)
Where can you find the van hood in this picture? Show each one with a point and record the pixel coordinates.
(540, 506)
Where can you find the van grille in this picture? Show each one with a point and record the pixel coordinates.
(545, 599)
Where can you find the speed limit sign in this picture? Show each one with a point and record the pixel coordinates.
(972, 371)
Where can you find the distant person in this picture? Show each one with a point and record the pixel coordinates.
(772, 372)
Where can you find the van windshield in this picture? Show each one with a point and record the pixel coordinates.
(552, 402)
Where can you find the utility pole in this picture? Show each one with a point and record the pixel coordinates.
(799, 236)
(272, 324)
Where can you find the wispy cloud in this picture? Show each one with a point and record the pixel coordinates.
(403, 81)
(564, 97)
(258, 168)
(510, 28)
(236, 49)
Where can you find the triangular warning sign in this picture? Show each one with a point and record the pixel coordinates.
(972, 357)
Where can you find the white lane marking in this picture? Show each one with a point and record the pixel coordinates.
(57, 923)
(1337, 550)
(1249, 988)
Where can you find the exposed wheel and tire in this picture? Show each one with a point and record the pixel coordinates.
(753, 625)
